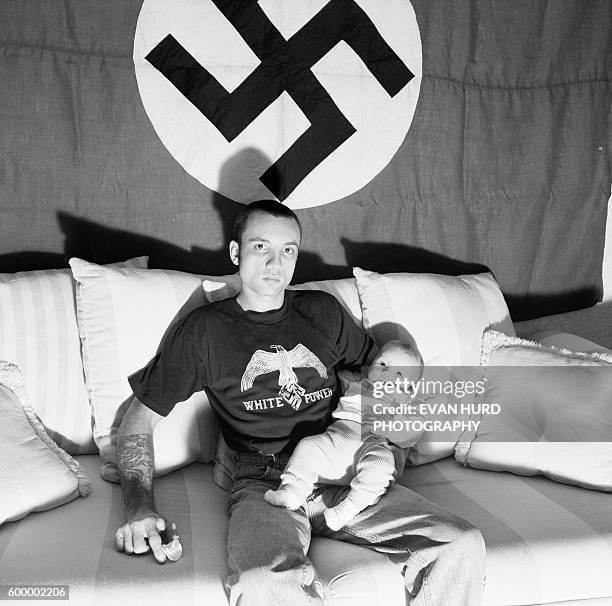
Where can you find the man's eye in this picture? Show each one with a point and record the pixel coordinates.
(259, 246)
(290, 251)
(383, 364)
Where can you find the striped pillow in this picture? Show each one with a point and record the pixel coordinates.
(39, 333)
(446, 316)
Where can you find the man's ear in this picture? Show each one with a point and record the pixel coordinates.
(234, 251)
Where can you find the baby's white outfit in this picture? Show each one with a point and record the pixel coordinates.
(348, 451)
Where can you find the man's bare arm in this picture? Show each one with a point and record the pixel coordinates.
(136, 464)
(135, 459)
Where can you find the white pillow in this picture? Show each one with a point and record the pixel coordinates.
(122, 315)
(40, 334)
(446, 315)
(35, 473)
(344, 289)
(556, 413)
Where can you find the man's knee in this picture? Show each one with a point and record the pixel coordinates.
(269, 585)
(262, 536)
(256, 586)
(469, 540)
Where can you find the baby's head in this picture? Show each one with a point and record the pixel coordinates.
(397, 359)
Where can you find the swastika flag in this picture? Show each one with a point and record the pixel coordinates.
(408, 136)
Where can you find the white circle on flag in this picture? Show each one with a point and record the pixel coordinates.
(234, 168)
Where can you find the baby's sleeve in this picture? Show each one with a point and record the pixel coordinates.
(349, 406)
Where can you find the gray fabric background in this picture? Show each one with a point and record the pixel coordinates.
(506, 164)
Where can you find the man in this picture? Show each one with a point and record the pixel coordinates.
(268, 360)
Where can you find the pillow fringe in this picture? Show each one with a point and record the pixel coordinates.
(461, 452)
(463, 445)
(11, 376)
(493, 339)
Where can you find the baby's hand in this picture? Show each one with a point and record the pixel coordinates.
(282, 497)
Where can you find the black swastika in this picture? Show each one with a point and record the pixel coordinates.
(285, 66)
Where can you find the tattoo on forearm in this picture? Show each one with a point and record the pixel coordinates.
(136, 467)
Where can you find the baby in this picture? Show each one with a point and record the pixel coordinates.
(349, 451)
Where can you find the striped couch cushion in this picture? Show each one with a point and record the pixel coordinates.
(38, 332)
(546, 543)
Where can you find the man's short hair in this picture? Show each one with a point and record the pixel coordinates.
(270, 207)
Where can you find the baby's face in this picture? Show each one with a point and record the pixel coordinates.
(393, 362)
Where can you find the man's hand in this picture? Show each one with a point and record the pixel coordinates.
(143, 534)
(136, 466)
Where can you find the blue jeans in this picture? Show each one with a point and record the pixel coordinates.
(441, 556)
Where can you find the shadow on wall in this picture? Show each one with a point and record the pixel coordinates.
(30, 260)
(389, 258)
(594, 323)
(526, 307)
(101, 244)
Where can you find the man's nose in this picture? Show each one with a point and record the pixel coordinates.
(273, 260)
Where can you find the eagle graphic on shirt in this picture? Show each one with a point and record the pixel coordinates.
(263, 362)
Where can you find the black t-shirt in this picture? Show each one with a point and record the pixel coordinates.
(271, 377)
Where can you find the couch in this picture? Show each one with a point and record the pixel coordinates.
(547, 542)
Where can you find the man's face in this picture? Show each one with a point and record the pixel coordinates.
(266, 258)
